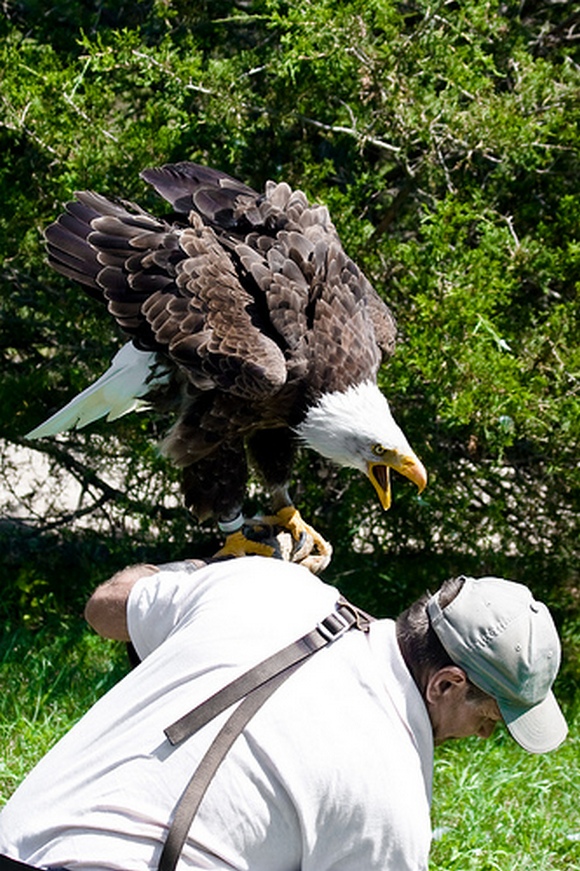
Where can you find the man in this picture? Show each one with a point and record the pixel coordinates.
(333, 773)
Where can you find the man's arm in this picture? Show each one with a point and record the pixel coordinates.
(106, 610)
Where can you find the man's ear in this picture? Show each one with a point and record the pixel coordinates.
(444, 682)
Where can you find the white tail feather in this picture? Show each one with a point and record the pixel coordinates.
(130, 376)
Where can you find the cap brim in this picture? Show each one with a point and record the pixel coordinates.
(538, 729)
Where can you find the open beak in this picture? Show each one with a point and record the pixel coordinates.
(406, 464)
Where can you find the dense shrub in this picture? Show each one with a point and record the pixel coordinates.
(444, 139)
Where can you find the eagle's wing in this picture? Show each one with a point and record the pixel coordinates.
(330, 319)
(191, 187)
(211, 325)
(133, 374)
(173, 289)
(252, 228)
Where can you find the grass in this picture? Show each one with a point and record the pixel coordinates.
(49, 679)
(495, 807)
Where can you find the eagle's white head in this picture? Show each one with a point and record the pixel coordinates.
(355, 428)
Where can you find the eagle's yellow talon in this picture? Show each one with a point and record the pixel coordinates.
(318, 551)
(237, 544)
(284, 535)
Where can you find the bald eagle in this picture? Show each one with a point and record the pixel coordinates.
(246, 316)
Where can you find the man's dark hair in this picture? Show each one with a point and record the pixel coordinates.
(422, 651)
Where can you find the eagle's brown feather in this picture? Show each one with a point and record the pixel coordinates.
(249, 297)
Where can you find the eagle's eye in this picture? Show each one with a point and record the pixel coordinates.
(378, 450)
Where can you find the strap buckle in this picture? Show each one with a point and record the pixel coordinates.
(335, 625)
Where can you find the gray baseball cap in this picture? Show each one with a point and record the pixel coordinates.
(508, 645)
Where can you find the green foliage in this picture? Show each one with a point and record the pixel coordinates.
(444, 139)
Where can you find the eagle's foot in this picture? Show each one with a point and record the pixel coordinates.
(309, 548)
(284, 535)
(240, 544)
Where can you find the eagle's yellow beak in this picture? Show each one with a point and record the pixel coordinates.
(408, 465)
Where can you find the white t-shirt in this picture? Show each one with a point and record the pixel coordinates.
(332, 774)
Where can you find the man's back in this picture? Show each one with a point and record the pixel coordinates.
(332, 773)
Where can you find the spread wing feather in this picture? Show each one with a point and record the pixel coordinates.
(173, 289)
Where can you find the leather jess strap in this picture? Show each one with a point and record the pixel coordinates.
(251, 689)
(332, 627)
